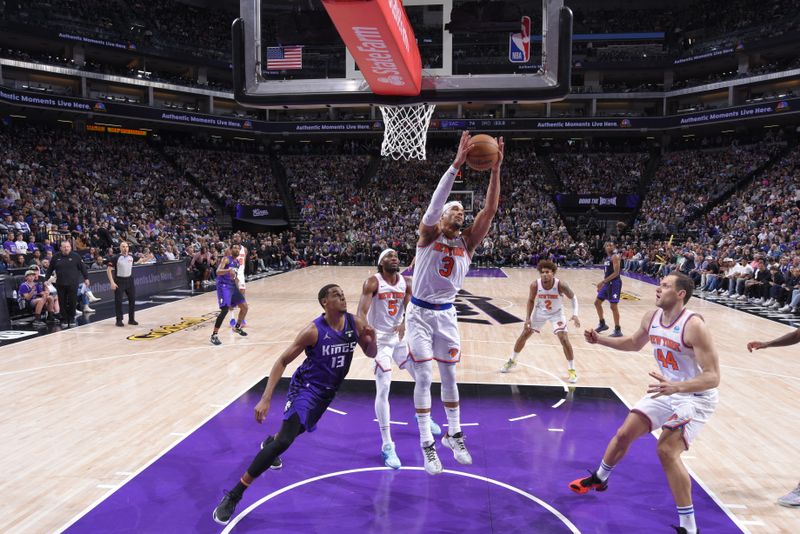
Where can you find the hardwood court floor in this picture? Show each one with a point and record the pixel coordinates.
(86, 408)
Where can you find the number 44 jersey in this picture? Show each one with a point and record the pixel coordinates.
(675, 358)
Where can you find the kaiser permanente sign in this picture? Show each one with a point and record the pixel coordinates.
(101, 108)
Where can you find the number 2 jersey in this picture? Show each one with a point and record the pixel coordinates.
(548, 301)
(439, 270)
(328, 361)
(386, 311)
(674, 357)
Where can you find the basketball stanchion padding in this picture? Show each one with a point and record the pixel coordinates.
(405, 130)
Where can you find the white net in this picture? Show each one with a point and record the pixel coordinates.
(405, 130)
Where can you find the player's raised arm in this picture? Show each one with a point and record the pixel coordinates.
(365, 300)
(785, 340)
(306, 338)
(428, 228)
(483, 220)
(633, 342)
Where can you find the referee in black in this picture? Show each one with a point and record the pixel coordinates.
(70, 271)
(122, 282)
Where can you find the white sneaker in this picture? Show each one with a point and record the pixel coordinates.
(456, 444)
(509, 365)
(432, 463)
(785, 309)
(791, 499)
(92, 298)
(573, 376)
(390, 458)
(87, 309)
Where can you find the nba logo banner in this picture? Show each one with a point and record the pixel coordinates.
(519, 44)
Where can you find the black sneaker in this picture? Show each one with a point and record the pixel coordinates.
(681, 530)
(238, 330)
(602, 327)
(215, 340)
(617, 332)
(224, 510)
(277, 463)
(120, 323)
(583, 485)
(132, 322)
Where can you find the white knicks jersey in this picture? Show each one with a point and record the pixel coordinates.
(242, 259)
(386, 311)
(674, 357)
(547, 300)
(439, 270)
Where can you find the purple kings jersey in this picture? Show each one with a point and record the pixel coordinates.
(226, 280)
(328, 361)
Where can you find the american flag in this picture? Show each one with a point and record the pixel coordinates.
(284, 57)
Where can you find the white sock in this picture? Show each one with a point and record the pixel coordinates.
(514, 355)
(604, 471)
(383, 381)
(686, 516)
(453, 420)
(424, 423)
(571, 365)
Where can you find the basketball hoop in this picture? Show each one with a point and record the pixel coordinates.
(405, 130)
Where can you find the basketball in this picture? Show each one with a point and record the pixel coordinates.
(483, 152)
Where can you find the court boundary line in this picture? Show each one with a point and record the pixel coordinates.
(695, 477)
(147, 464)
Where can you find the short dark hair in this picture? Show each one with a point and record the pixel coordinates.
(323, 293)
(546, 264)
(683, 283)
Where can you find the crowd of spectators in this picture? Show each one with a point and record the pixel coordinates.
(600, 173)
(746, 249)
(96, 191)
(349, 225)
(229, 177)
(686, 181)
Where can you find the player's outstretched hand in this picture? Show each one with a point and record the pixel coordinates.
(262, 408)
(576, 321)
(526, 328)
(368, 334)
(463, 149)
(600, 286)
(756, 345)
(500, 146)
(401, 330)
(664, 386)
(591, 336)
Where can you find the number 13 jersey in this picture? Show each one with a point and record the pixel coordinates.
(439, 270)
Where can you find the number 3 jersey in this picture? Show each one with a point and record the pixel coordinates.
(328, 361)
(386, 311)
(439, 270)
(674, 357)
